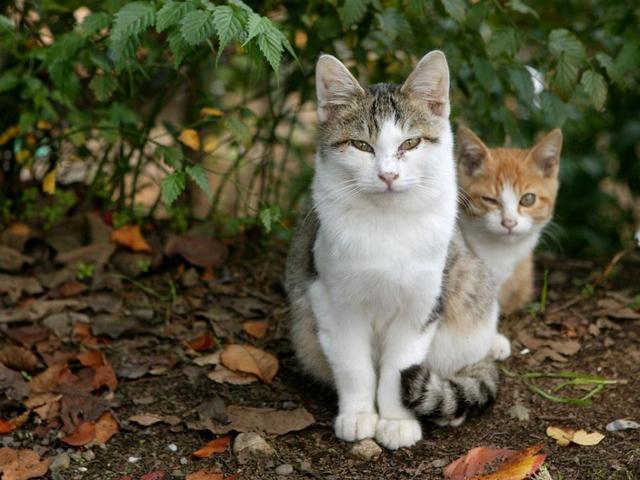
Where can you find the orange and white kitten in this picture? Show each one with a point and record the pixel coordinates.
(510, 195)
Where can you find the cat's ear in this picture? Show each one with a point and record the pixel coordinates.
(334, 85)
(429, 83)
(546, 153)
(472, 152)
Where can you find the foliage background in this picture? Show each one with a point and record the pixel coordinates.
(110, 105)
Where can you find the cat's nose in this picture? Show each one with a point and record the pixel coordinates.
(388, 177)
(509, 223)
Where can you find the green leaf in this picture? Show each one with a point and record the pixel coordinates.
(564, 44)
(521, 80)
(554, 109)
(102, 87)
(483, 72)
(132, 19)
(565, 77)
(93, 23)
(197, 26)
(269, 216)
(171, 156)
(239, 130)
(172, 186)
(199, 175)
(595, 86)
(521, 7)
(227, 25)
(456, 9)
(256, 25)
(271, 46)
(171, 13)
(627, 58)
(607, 63)
(503, 42)
(394, 24)
(178, 47)
(9, 80)
(352, 11)
(416, 8)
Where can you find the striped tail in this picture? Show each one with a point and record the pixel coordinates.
(449, 401)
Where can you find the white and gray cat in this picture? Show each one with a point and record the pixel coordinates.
(387, 303)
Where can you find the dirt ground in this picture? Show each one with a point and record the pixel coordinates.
(583, 328)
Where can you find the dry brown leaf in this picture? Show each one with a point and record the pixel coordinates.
(564, 436)
(205, 474)
(146, 419)
(267, 420)
(249, 359)
(505, 464)
(256, 328)
(131, 237)
(22, 464)
(46, 405)
(224, 375)
(190, 138)
(47, 380)
(218, 445)
(204, 341)
(18, 358)
(5, 426)
(83, 434)
(19, 229)
(205, 252)
(210, 359)
(106, 427)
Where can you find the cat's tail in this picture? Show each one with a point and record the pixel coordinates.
(448, 401)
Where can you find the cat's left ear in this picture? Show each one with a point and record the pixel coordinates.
(429, 83)
(546, 153)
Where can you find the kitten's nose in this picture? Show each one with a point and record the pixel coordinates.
(388, 177)
(509, 223)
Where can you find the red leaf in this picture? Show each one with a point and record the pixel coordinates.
(155, 475)
(218, 445)
(5, 426)
(506, 464)
(83, 434)
(204, 341)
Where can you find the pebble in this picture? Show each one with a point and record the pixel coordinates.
(61, 462)
(172, 447)
(251, 445)
(622, 424)
(177, 473)
(88, 455)
(520, 412)
(439, 463)
(284, 469)
(133, 459)
(184, 461)
(366, 449)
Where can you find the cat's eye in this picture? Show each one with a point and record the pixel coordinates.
(490, 200)
(362, 146)
(410, 144)
(528, 199)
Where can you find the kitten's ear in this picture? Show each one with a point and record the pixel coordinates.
(472, 152)
(334, 85)
(546, 153)
(429, 83)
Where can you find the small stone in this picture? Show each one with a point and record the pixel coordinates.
(622, 424)
(184, 461)
(60, 462)
(88, 455)
(366, 449)
(76, 457)
(520, 412)
(190, 278)
(133, 459)
(284, 469)
(172, 447)
(177, 473)
(305, 466)
(439, 463)
(8, 442)
(251, 445)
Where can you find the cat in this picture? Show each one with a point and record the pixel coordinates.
(509, 197)
(388, 305)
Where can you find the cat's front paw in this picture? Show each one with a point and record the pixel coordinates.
(356, 426)
(395, 434)
(501, 348)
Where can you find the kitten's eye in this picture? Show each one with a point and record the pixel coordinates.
(528, 199)
(490, 200)
(362, 146)
(410, 144)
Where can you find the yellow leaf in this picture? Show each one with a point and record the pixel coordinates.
(300, 39)
(44, 125)
(9, 133)
(211, 112)
(249, 359)
(22, 156)
(49, 182)
(210, 144)
(190, 138)
(131, 237)
(563, 437)
(581, 437)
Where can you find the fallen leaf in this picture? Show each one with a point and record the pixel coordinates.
(83, 434)
(15, 286)
(5, 426)
(267, 420)
(205, 474)
(46, 405)
(131, 237)
(106, 427)
(210, 359)
(155, 475)
(249, 359)
(19, 358)
(72, 289)
(504, 464)
(82, 333)
(190, 138)
(211, 112)
(218, 445)
(97, 254)
(22, 464)
(49, 182)
(201, 251)
(204, 341)
(564, 436)
(224, 375)
(256, 328)
(146, 419)
(46, 381)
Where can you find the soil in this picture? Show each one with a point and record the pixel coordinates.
(250, 288)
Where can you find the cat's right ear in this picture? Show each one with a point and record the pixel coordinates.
(472, 152)
(335, 85)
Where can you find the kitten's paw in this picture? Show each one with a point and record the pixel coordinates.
(356, 426)
(501, 348)
(395, 434)
(451, 422)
